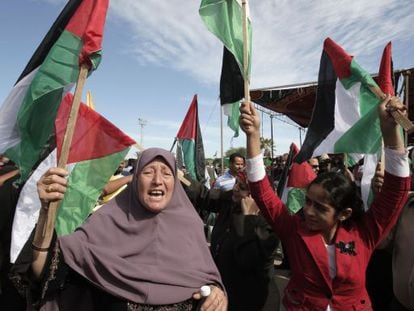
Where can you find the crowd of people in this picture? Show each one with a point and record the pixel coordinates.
(146, 247)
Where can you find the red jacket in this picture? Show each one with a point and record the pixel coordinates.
(310, 287)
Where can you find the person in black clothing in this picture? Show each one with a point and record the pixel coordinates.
(244, 247)
(242, 244)
(9, 193)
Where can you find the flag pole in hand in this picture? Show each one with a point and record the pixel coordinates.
(401, 119)
(47, 223)
(245, 54)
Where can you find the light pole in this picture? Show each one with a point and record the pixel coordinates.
(142, 123)
(271, 133)
(300, 135)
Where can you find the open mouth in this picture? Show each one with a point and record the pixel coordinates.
(156, 193)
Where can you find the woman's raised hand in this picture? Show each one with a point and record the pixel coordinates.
(52, 185)
(389, 127)
(250, 124)
(249, 119)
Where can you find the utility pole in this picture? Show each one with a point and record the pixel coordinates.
(271, 133)
(142, 123)
(300, 135)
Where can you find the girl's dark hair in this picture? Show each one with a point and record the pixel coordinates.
(342, 193)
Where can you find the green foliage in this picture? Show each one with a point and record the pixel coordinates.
(241, 150)
(266, 145)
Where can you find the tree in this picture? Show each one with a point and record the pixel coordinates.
(241, 150)
(266, 144)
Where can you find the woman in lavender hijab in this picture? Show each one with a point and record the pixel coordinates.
(143, 250)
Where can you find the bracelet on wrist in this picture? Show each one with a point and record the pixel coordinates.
(40, 249)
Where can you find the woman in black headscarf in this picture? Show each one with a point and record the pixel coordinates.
(143, 250)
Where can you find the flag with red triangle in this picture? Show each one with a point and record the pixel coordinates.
(299, 178)
(386, 84)
(191, 143)
(97, 148)
(27, 115)
(344, 118)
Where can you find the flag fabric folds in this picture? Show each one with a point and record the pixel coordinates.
(300, 176)
(27, 116)
(385, 73)
(28, 206)
(225, 20)
(386, 84)
(345, 118)
(231, 80)
(295, 180)
(231, 90)
(97, 149)
(190, 143)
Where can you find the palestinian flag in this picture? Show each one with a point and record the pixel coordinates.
(345, 118)
(385, 73)
(97, 149)
(27, 116)
(190, 143)
(225, 20)
(386, 84)
(299, 176)
(231, 90)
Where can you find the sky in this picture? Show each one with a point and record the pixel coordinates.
(157, 54)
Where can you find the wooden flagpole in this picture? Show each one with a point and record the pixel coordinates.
(221, 140)
(46, 223)
(245, 54)
(402, 120)
(73, 116)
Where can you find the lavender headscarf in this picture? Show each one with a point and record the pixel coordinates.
(143, 257)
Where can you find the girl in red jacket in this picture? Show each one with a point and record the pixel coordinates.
(330, 246)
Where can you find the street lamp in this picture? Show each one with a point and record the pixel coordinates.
(142, 123)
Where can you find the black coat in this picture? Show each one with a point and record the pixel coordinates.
(244, 248)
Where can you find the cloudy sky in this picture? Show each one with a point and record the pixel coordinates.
(157, 54)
